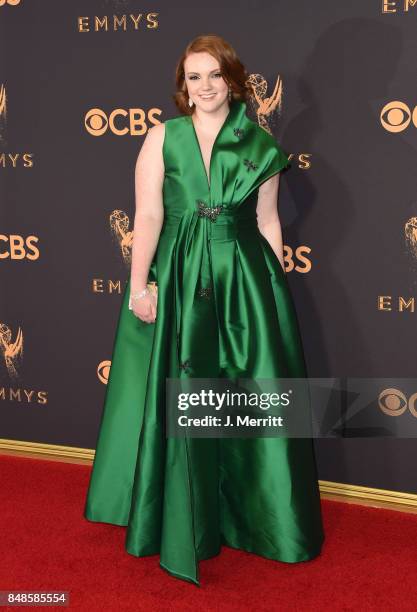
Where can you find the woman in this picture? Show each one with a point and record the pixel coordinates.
(207, 232)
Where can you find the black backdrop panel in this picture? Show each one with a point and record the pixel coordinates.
(67, 193)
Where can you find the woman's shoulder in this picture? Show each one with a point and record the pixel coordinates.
(154, 138)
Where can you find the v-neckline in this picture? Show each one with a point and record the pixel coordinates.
(208, 177)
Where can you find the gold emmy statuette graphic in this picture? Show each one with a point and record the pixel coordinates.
(2, 100)
(12, 351)
(265, 106)
(410, 231)
(3, 108)
(119, 225)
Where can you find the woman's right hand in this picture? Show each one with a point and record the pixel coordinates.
(145, 308)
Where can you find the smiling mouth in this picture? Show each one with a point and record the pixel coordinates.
(207, 96)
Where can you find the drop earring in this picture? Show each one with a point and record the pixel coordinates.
(230, 94)
(190, 102)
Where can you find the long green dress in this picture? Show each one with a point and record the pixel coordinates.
(224, 311)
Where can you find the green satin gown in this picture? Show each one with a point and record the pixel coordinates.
(224, 310)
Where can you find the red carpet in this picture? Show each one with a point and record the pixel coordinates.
(367, 563)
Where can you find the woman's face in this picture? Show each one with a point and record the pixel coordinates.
(203, 78)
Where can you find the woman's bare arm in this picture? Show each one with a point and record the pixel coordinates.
(149, 215)
(268, 218)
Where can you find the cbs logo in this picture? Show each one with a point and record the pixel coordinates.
(11, 2)
(103, 371)
(120, 121)
(397, 116)
(18, 247)
(291, 257)
(393, 402)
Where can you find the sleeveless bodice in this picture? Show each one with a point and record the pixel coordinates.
(243, 156)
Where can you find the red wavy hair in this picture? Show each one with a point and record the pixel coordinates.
(234, 72)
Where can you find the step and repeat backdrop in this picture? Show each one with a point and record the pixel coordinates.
(80, 85)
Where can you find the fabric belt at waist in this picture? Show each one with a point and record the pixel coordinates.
(225, 225)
